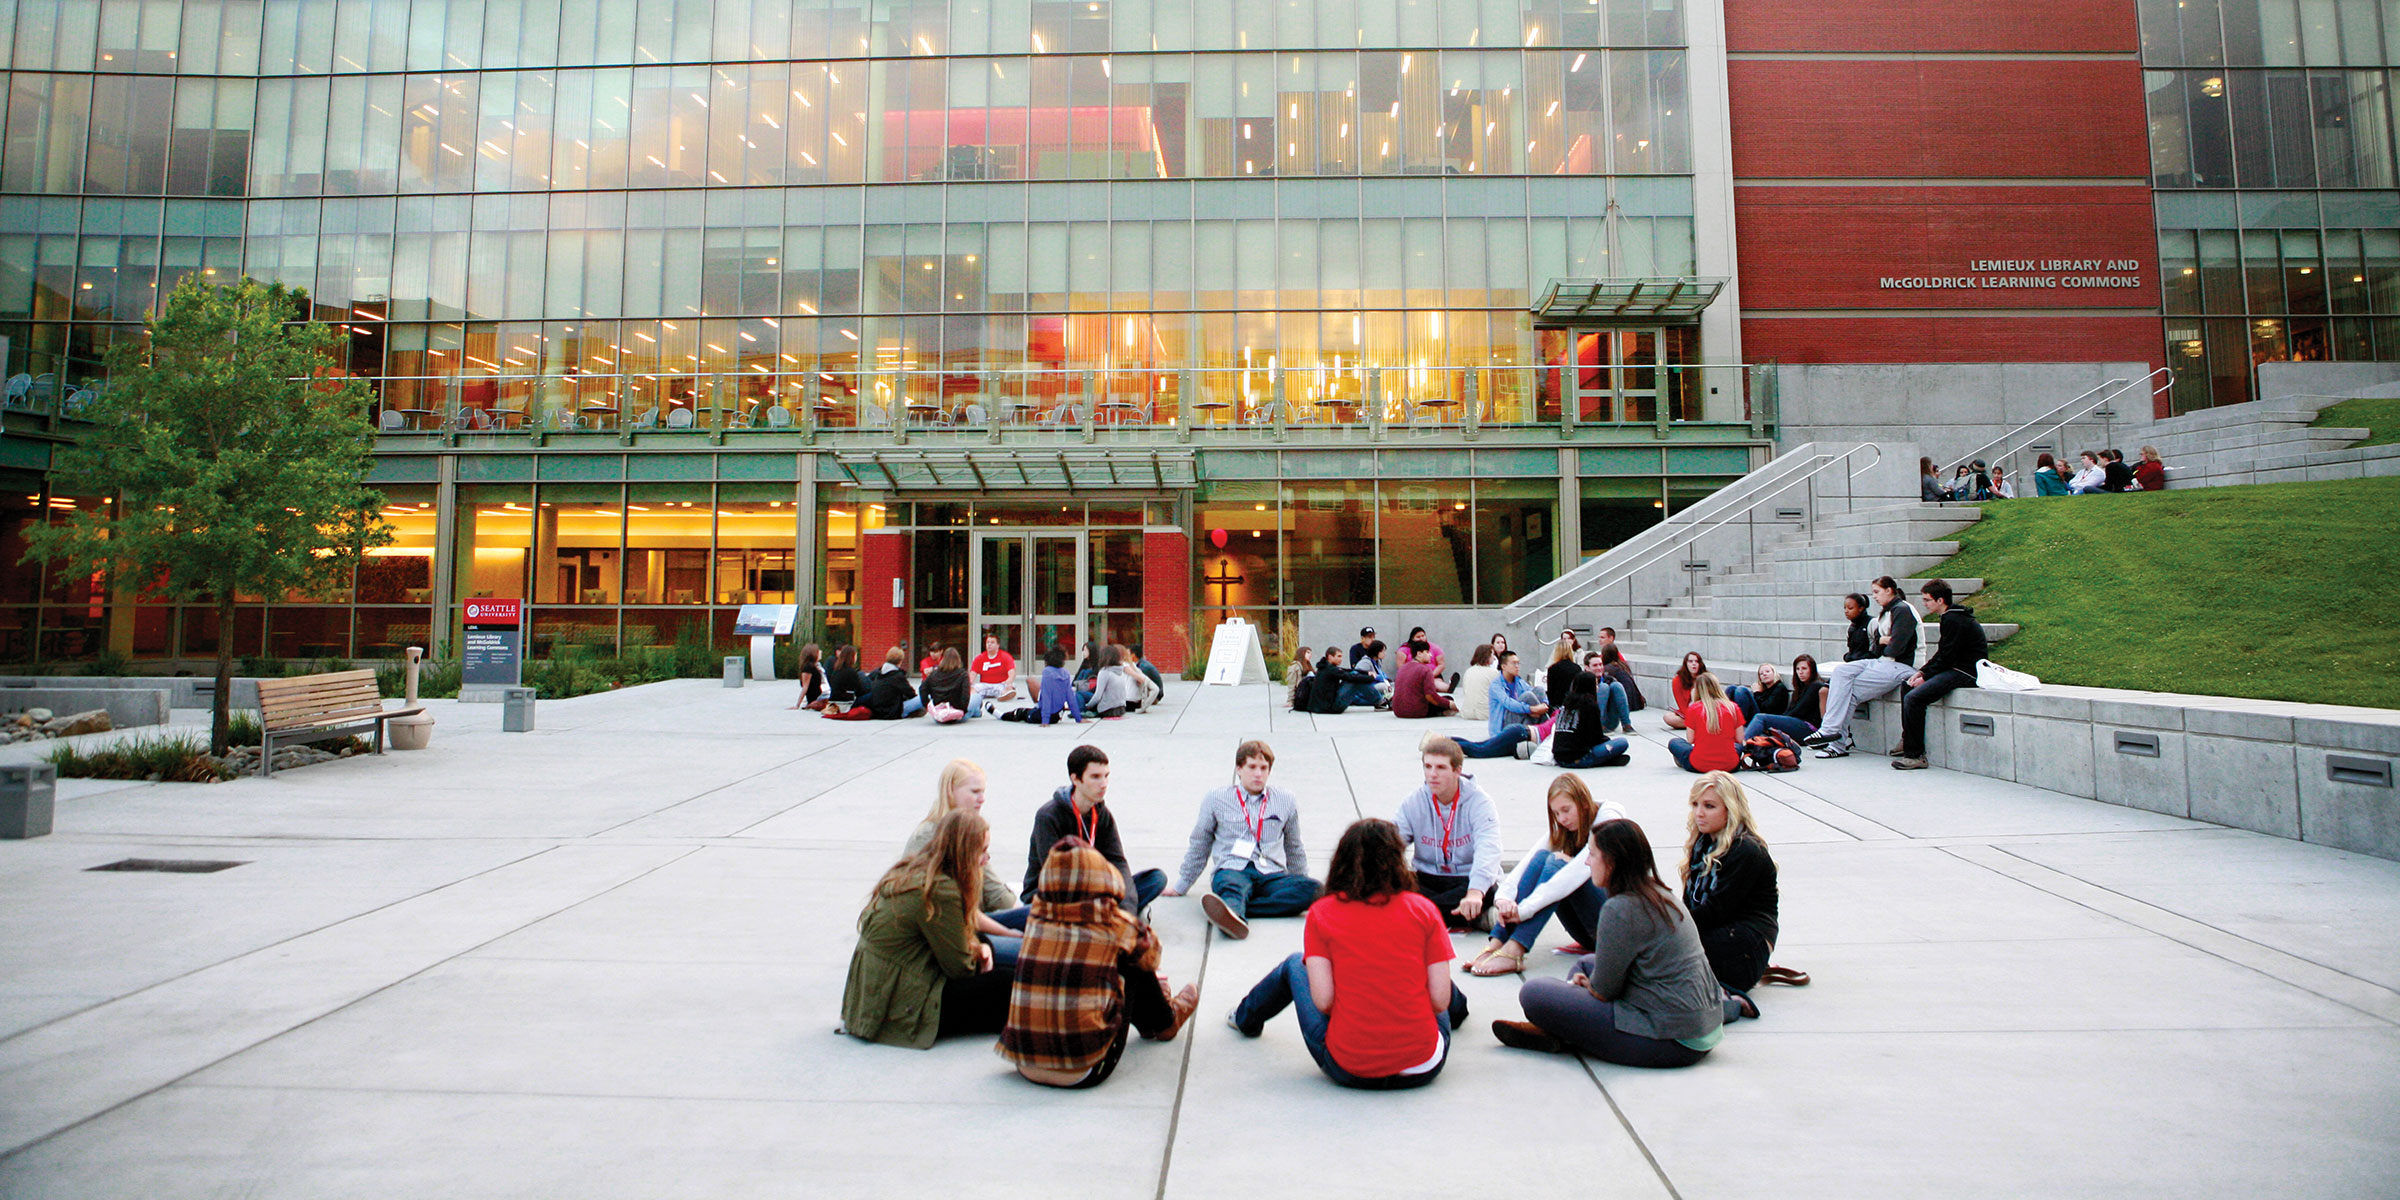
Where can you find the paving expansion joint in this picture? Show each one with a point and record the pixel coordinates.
(2347, 990)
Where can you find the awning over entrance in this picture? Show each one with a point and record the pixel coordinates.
(1625, 301)
(1018, 470)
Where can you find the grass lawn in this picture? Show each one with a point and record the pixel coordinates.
(2382, 417)
(2275, 591)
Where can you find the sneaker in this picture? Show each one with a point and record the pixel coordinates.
(1896, 752)
(1834, 750)
(1524, 750)
(1221, 915)
(1525, 1035)
(1616, 760)
(1233, 1021)
(1184, 1003)
(1909, 764)
(1822, 737)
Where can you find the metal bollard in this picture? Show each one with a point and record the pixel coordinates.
(733, 670)
(516, 710)
(28, 793)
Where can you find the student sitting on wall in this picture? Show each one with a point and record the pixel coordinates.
(1951, 667)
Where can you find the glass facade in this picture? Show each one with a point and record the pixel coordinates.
(2271, 144)
(563, 235)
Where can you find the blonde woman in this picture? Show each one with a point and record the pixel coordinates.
(919, 973)
(998, 916)
(1556, 879)
(1729, 888)
(1715, 723)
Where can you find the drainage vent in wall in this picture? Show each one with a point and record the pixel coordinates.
(173, 866)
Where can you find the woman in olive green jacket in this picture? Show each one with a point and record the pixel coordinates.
(919, 972)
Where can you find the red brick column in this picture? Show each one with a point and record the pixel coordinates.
(1167, 598)
(882, 560)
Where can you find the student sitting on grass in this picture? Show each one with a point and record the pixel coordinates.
(1729, 889)
(1371, 984)
(1455, 831)
(2150, 474)
(2090, 478)
(919, 973)
(1555, 879)
(1248, 838)
(1087, 976)
(1644, 997)
(1715, 723)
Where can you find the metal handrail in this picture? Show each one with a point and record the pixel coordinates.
(2114, 389)
(1766, 486)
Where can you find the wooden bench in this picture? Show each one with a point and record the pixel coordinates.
(317, 708)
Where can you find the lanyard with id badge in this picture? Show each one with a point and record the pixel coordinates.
(1245, 848)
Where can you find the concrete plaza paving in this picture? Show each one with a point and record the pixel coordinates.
(606, 958)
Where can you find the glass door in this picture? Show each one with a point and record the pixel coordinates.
(1635, 356)
(1028, 591)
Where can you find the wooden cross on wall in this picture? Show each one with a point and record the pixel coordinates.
(1224, 582)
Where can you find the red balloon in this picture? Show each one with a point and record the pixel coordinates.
(1216, 537)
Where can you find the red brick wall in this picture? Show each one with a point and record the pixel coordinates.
(882, 558)
(1167, 599)
(1851, 166)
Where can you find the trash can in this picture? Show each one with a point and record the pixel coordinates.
(733, 670)
(27, 797)
(516, 710)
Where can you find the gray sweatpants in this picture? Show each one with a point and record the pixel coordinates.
(1851, 682)
(1588, 1023)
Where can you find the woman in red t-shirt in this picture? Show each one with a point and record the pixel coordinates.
(1715, 723)
(1372, 988)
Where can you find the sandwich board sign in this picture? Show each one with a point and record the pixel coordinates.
(1234, 656)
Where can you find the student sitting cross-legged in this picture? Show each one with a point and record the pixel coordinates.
(919, 973)
(1556, 878)
(1088, 974)
(1455, 831)
(1513, 705)
(1249, 834)
(1645, 996)
(997, 917)
(1729, 889)
(1079, 808)
(1715, 723)
(1582, 739)
(1371, 985)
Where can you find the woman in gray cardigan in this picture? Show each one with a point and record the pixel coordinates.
(1645, 996)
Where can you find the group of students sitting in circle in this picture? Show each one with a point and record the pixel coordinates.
(1067, 971)
(1584, 696)
(1110, 682)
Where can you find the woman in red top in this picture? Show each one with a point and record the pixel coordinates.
(1371, 988)
(1692, 667)
(2150, 472)
(1715, 723)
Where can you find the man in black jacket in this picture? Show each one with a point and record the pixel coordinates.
(888, 695)
(1080, 809)
(1951, 668)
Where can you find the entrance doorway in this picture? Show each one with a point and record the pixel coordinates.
(1620, 373)
(1027, 588)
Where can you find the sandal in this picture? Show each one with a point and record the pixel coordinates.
(1786, 976)
(1509, 956)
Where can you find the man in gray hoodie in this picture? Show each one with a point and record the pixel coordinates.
(1456, 834)
(1250, 834)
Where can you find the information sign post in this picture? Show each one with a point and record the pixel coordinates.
(492, 650)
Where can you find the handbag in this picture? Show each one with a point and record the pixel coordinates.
(944, 714)
(1992, 677)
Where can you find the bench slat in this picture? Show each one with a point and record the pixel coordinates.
(313, 701)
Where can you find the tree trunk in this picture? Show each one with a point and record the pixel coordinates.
(220, 725)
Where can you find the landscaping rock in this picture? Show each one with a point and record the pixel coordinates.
(243, 760)
(35, 716)
(95, 721)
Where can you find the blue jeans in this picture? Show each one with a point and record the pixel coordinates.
(1361, 693)
(1146, 887)
(1579, 912)
(911, 707)
(1615, 710)
(1250, 892)
(1287, 986)
(1745, 698)
(1005, 951)
(1682, 750)
(1765, 721)
(1598, 755)
(1499, 745)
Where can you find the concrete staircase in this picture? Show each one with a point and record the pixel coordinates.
(1788, 599)
(2264, 441)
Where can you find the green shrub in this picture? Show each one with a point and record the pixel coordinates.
(695, 654)
(435, 680)
(173, 758)
(111, 663)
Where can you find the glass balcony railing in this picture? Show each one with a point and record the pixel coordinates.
(1027, 404)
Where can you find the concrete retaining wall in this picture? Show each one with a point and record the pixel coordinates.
(186, 691)
(1948, 409)
(127, 707)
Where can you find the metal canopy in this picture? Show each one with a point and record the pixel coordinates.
(1626, 301)
(902, 470)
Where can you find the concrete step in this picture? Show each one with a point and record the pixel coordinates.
(1853, 572)
(1825, 548)
(2183, 449)
(1933, 529)
(1959, 514)
(1773, 587)
(2228, 416)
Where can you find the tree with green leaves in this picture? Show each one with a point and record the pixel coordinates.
(233, 448)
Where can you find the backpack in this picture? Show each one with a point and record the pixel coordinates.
(1772, 751)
